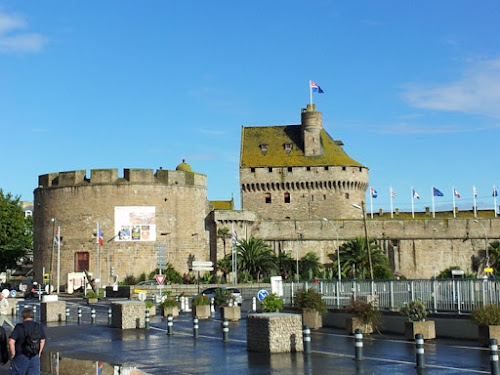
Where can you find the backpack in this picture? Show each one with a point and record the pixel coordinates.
(31, 344)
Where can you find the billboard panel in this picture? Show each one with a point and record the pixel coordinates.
(135, 223)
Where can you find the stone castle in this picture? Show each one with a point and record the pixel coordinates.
(299, 192)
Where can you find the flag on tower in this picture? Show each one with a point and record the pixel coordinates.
(373, 192)
(436, 192)
(456, 193)
(315, 87)
(415, 194)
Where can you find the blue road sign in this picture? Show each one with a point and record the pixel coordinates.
(262, 294)
(13, 293)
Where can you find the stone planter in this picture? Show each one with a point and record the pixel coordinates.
(232, 313)
(201, 311)
(488, 332)
(91, 301)
(152, 311)
(312, 318)
(274, 333)
(171, 310)
(426, 328)
(354, 323)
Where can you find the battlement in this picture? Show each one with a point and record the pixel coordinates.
(130, 176)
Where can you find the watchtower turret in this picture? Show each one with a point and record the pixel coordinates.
(312, 124)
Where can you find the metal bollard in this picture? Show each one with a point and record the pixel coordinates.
(358, 344)
(195, 327)
(17, 309)
(170, 325)
(225, 330)
(212, 306)
(109, 316)
(146, 319)
(307, 339)
(494, 357)
(34, 311)
(419, 350)
(254, 304)
(67, 313)
(79, 315)
(92, 316)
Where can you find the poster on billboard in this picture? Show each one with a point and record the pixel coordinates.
(135, 223)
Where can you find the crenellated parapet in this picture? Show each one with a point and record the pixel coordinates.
(130, 176)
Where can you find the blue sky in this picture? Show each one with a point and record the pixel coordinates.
(411, 88)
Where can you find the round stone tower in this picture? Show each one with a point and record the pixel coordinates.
(312, 124)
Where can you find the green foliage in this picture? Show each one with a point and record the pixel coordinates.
(16, 232)
(355, 263)
(310, 267)
(446, 274)
(255, 257)
(272, 303)
(416, 311)
(488, 315)
(171, 275)
(149, 304)
(142, 277)
(311, 300)
(168, 302)
(366, 312)
(129, 280)
(189, 278)
(206, 278)
(90, 295)
(286, 265)
(222, 297)
(201, 300)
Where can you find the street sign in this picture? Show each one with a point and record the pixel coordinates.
(161, 256)
(13, 293)
(262, 294)
(142, 296)
(160, 279)
(199, 263)
(203, 268)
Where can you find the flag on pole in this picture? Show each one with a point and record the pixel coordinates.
(455, 192)
(393, 193)
(474, 191)
(495, 193)
(373, 193)
(100, 239)
(315, 87)
(234, 238)
(436, 192)
(415, 194)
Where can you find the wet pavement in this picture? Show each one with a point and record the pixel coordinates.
(154, 352)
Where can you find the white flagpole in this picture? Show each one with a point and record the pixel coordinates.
(96, 276)
(412, 206)
(474, 193)
(310, 94)
(392, 211)
(433, 208)
(58, 259)
(453, 197)
(371, 201)
(495, 200)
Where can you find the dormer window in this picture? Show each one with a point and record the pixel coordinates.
(263, 148)
(288, 147)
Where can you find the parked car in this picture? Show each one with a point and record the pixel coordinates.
(210, 293)
(147, 282)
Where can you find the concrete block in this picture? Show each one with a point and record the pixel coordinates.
(128, 314)
(274, 333)
(53, 311)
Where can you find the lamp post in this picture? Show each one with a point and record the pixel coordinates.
(485, 242)
(336, 245)
(362, 208)
(53, 220)
(297, 260)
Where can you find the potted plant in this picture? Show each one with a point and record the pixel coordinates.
(92, 297)
(313, 307)
(229, 308)
(169, 306)
(416, 312)
(272, 303)
(488, 320)
(201, 306)
(151, 307)
(366, 317)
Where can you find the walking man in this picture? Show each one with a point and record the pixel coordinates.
(4, 310)
(26, 343)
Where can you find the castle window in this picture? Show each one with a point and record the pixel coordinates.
(287, 197)
(326, 168)
(344, 168)
(360, 169)
(308, 169)
(268, 197)
(288, 147)
(312, 198)
(324, 197)
(252, 170)
(263, 148)
(346, 195)
(270, 169)
(290, 169)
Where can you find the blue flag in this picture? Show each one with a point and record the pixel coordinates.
(436, 192)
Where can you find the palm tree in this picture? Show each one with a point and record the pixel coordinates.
(255, 257)
(494, 254)
(286, 265)
(224, 265)
(310, 266)
(354, 260)
(224, 234)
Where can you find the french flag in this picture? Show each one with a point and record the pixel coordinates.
(101, 236)
(315, 87)
(456, 193)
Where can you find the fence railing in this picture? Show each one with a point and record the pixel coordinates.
(443, 295)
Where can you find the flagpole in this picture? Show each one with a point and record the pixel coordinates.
(392, 210)
(371, 201)
(310, 94)
(474, 194)
(495, 199)
(97, 261)
(453, 197)
(412, 206)
(433, 209)
(58, 259)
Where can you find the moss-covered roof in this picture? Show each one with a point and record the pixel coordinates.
(184, 167)
(276, 137)
(222, 205)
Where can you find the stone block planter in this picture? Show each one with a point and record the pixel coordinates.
(488, 332)
(312, 318)
(171, 310)
(152, 311)
(274, 333)
(353, 323)
(232, 313)
(426, 328)
(128, 314)
(201, 311)
(91, 301)
(54, 311)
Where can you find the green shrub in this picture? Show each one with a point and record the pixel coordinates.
(201, 300)
(366, 312)
(168, 302)
(488, 315)
(311, 300)
(414, 310)
(272, 303)
(149, 304)
(222, 297)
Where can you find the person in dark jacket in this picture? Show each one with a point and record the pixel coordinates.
(4, 350)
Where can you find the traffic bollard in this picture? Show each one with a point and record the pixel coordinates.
(92, 316)
(34, 311)
(212, 306)
(67, 313)
(195, 327)
(170, 325)
(254, 304)
(182, 303)
(494, 357)
(419, 350)
(146, 319)
(358, 344)
(225, 330)
(307, 339)
(109, 316)
(79, 315)
(17, 309)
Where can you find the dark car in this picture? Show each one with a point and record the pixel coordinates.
(210, 293)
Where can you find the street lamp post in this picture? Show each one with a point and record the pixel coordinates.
(485, 242)
(336, 245)
(297, 260)
(362, 208)
(53, 220)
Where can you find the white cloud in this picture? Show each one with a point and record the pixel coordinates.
(14, 39)
(477, 91)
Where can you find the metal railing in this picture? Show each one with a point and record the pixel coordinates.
(443, 295)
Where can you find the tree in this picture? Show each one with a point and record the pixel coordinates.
(494, 254)
(310, 266)
(286, 265)
(16, 232)
(255, 257)
(224, 234)
(354, 260)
